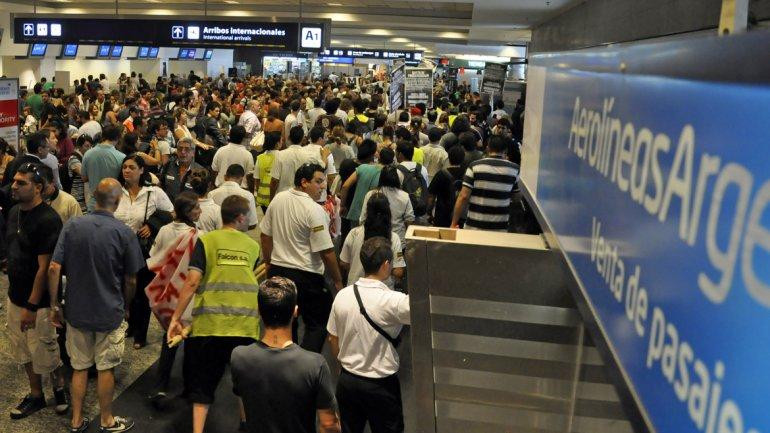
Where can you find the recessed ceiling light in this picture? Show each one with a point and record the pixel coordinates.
(231, 2)
(152, 1)
(334, 4)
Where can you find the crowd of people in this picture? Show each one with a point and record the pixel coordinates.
(127, 200)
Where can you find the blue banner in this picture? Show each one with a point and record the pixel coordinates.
(658, 190)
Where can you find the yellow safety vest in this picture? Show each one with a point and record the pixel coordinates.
(226, 300)
(264, 166)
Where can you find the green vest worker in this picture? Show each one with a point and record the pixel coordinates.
(225, 315)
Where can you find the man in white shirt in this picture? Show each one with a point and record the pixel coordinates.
(296, 244)
(316, 149)
(289, 160)
(104, 82)
(314, 113)
(89, 127)
(435, 157)
(368, 389)
(232, 153)
(232, 186)
(250, 122)
(291, 119)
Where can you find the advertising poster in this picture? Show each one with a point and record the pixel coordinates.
(9, 111)
(396, 93)
(418, 86)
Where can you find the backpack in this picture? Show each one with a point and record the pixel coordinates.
(359, 128)
(414, 184)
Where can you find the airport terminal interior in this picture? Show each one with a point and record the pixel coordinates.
(420, 216)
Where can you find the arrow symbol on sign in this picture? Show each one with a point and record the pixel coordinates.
(177, 32)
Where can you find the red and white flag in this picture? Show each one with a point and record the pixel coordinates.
(170, 270)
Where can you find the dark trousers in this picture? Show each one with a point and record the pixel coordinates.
(314, 301)
(139, 312)
(376, 401)
(165, 365)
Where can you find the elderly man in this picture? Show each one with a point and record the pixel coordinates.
(175, 176)
(249, 121)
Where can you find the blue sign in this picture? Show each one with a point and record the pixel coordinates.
(70, 50)
(142, 53)
(658, 190)
(153, 53)
(117, 51)
(332, 59)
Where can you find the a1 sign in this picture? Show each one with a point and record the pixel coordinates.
(311, 37)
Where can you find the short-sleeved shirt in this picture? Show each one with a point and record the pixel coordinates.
(229, 188)
(300, 230)
(228, 155)
(287, 162)
(491, 181)
(100, 162)
(94, 300)
(436, 158)
(363, 351)
(149, 200)
(351, 253)
(298, 383)
(401, 210)
(30, 234)
(211, 215)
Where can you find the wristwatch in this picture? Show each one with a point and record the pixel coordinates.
(30, 306)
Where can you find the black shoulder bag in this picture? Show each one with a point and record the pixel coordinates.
(394, 341)
(146, 243)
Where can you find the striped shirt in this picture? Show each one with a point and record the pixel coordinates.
(491, 181)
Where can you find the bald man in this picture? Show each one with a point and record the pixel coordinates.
(96, 302)
(249, 121)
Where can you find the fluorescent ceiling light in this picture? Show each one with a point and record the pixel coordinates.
(334, 4)
(454, 35)
(379, 32)
(231, 2)
(401, 40)
(478, 58)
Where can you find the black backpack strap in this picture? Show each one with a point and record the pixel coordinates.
(394, 341)
(405, 171)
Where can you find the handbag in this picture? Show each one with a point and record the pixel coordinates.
(394, 341)
(146, 243)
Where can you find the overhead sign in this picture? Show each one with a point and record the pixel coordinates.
(494, 78)
(418, 86)
(359, 53)
(396, 92)
(660, 198)
(9, 111)
(281, 36)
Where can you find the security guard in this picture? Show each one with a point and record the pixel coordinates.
(225, 311)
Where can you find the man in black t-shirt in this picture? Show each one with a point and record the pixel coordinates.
(32, 232)
(283, 386)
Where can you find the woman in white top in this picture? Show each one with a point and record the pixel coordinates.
(182, 131)
(377, 223)
(187, 211)
(140, 201)
(401, 211)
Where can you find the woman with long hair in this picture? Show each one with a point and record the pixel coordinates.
(145, 209)
(377, 223)
(401, 211)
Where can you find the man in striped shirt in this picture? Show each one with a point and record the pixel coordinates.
(487, 188)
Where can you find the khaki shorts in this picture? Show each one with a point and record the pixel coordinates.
(105, 349)
(38, 345)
